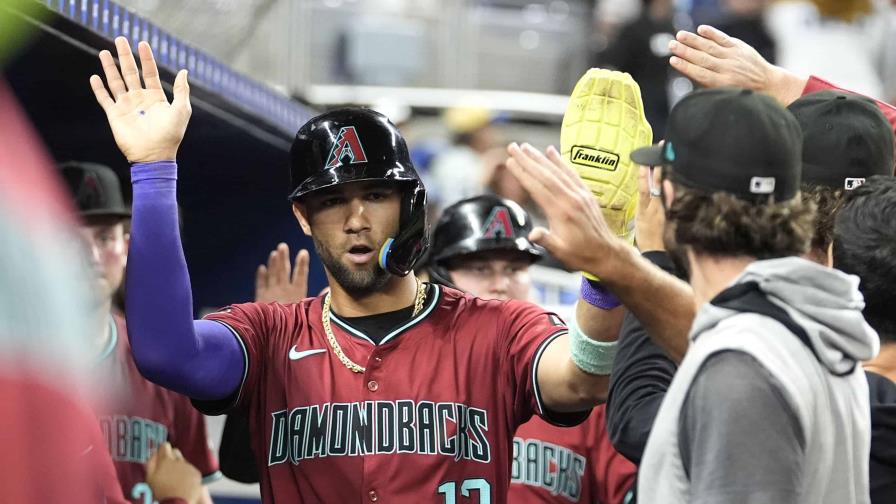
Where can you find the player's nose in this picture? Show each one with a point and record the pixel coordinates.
(499, 286)
(356, 221)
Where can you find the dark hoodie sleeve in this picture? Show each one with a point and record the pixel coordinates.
(641, 375)
(883, 438)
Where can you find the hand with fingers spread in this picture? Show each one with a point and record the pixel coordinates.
(171, 477)
(145, 125)
(579, 237)
(279, 282)
(650, 220)
(713, 59)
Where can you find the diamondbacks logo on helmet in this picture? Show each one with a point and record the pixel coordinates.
(498, 224)
(347, 149)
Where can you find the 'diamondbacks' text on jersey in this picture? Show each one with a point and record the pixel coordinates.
(431, 420)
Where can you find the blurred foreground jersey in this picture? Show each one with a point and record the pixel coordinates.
(136, 416)
(51, 444)
(431, 420)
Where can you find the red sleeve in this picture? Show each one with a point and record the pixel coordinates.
(191, 438)
(527, 331)
(814, 84)
(612, 475)
(252, 324)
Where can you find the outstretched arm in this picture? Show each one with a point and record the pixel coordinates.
(201, 359)
(713, 59)
(581, 239)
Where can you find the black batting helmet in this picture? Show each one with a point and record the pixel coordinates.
(480, 224)
(356, 144)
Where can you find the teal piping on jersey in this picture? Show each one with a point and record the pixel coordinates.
(414, 321)
(535, 364)
(111, 344)
(211, 478)
(236, 335)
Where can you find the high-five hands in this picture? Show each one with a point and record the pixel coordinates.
(579, 237)
(713, 59)
(275, 283)
(145, 125)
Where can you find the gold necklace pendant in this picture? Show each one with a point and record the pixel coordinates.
(331, 338)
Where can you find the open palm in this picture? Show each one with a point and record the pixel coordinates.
(145, 126)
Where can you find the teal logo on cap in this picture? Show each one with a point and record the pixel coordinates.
(669, 152)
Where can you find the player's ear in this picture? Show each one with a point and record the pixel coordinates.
(301, 214)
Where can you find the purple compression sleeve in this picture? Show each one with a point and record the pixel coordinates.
(201, 359)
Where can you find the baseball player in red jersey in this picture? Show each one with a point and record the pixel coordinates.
(136, 416)
(480, 245)
(386, 388)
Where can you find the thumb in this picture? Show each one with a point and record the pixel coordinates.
(542, 236)
(181, 91)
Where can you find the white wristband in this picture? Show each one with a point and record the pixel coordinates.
(592, 357)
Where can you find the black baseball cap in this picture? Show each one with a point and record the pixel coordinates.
(846, 138)
(95, 189)
(730, 140)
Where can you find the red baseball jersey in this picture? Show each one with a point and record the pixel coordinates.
(577, 464)
(431, 420)
(136, 416)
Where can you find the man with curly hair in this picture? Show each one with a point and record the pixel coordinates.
(770, 402)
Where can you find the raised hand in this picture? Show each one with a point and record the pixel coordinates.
(713, 59)
(145, 126)
(579, 237)
(650, 220)
(275, 284)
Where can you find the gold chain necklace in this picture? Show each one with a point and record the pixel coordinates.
(325, 319)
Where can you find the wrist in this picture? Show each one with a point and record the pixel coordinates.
(597, 295)
(152, 157)
(611, 262)
(784, 85)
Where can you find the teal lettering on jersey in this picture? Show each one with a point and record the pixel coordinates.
(379, 427)
(132, 439)
(554, 468)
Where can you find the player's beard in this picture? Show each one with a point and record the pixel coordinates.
(355, 282)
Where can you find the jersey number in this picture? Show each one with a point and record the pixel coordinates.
(142, 491)
(449, 490)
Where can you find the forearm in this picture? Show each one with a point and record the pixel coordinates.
(664, 304)
(201, 359)
(597, 323)
(566, 387)
(573, 388)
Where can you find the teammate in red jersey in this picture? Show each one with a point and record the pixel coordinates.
(480, 245)
(136, 416)
(386, 388)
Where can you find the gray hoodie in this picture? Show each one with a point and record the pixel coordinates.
(820, 379)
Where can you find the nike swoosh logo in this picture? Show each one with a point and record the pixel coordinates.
(294, 354)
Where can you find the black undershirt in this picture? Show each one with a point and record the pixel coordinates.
(377, 326)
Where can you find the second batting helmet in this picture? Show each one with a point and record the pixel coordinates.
(480, 224)
(357, 144)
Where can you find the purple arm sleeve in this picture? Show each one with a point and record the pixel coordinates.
(201, 359)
